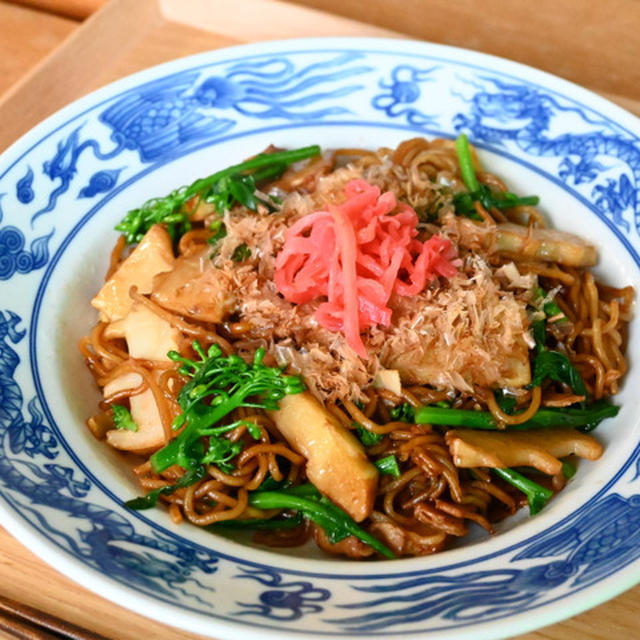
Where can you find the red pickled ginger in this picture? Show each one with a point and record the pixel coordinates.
(356, 255)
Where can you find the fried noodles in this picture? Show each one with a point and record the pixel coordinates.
(432, 499)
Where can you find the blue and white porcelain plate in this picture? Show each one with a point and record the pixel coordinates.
(65, 184)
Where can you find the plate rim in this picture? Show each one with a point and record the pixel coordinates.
(92, 100)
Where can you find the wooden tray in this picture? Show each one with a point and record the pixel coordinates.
(129, 35)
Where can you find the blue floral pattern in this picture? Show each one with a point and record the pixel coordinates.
(286, 601)
(14, 257)
(24, 190)
(472, 596)
(100, 182)
(591, 546)
(403, 90)
(63, 166)
(77, 166)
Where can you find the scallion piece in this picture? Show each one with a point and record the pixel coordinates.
(388, 466)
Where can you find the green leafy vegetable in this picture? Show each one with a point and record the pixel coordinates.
(557, 366)
(122, 418)
(223, 189)
(151, 499)
(231, 189)
(568, 470)
(218, 385)
(586, 419)
(554, 365)
(220, 452)
(252, 428)
(537, 495)
(368, 438)
(388, 466)
(269, 484)
(464, 202)
(403, 413)
(241, 253)
(168, 211)
(307, 500)
(262, 524)
(242, 188)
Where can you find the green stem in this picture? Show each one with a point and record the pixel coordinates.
(269, 173)
(537, 495)
(587, 419)
(331, 518)
(263, 524)
(455, 417)
(466, 163)
(262, 160)
(510, 203)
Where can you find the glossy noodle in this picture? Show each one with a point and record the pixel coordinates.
(418, 353)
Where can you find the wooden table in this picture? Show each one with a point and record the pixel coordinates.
(593, 43)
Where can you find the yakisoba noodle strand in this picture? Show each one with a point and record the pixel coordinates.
(412, 483)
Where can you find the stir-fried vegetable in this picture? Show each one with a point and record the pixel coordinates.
(122, 418)
(262, 524)
(368, 438)
(219, 384)
(541, 449)
(554, 365)
(222, 189)
(537, 495)
(306, 499)
(403, 412)
(388, 466)
(336, 462)
(585, 419)
(221, 451)
(544, 244)
(464, 202)
(557, 366)
(568, 470)
(218, 230)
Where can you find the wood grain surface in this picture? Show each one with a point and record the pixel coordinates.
(48, 59)
(77, 9)
(26, 37)
(591, 42)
